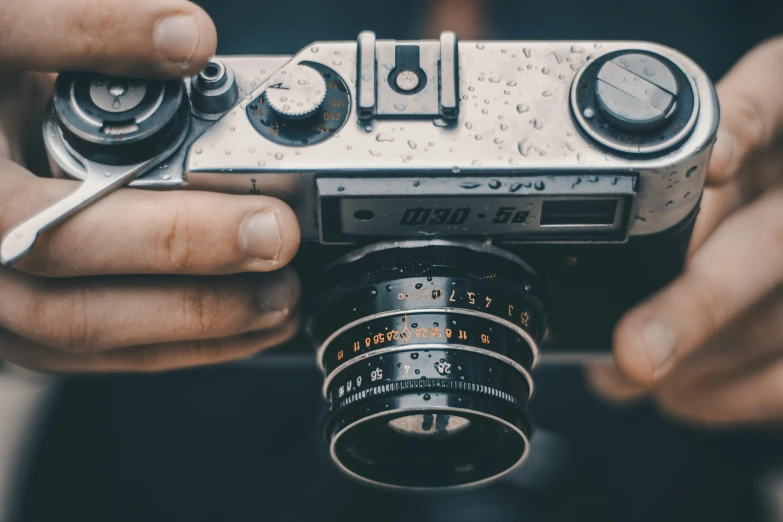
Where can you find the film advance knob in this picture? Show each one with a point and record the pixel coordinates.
(636, 92)
(296, 92)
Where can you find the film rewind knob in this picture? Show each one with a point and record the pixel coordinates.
(117, 128)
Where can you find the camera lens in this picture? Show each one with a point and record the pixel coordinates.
(426, 348)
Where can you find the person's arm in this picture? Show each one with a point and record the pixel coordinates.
(87, 298)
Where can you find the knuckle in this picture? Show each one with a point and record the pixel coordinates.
(204, 309)
(92, 27)
(172, 246)
(63, 322)
(707, 304)
(15, 189)
(748, 124)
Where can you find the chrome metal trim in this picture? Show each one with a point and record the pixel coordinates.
(366, 75)
(476, 246)
(449, 75)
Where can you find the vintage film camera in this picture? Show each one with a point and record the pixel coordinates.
(467, 209)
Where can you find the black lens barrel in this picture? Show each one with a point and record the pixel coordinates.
(427, 349)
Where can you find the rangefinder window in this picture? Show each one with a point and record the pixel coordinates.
(578, 212)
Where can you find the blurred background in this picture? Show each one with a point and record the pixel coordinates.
(241, 442)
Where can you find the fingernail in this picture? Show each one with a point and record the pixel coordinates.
(723, 155)
(259, 236)
(177, 38)
(659, 340)
(274, 295)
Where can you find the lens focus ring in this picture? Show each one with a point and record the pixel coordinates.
(428, 370)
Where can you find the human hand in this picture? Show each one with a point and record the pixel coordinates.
(709, 347)
(99, 293)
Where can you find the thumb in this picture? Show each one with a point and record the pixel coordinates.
(138, 38)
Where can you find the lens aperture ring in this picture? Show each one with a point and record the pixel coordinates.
(493, 298)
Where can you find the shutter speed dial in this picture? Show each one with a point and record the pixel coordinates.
(302, 105)
(296, 93)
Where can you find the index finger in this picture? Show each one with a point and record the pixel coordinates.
(147, 232)
(142, 37)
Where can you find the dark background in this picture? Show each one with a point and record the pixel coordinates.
(240, 442)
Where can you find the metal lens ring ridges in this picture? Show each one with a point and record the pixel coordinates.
(427, 382)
